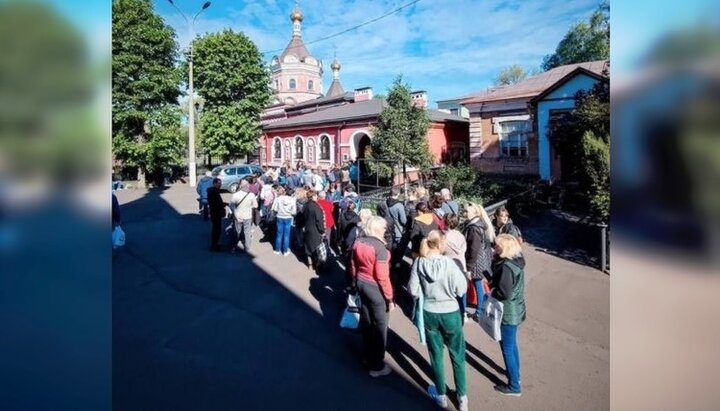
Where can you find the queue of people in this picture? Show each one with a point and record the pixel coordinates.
(452, 246)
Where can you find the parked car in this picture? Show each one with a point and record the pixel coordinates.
(232, 174)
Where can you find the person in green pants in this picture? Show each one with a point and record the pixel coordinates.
(440, 281)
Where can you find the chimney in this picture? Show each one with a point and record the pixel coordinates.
(419, 98)
(363, 94)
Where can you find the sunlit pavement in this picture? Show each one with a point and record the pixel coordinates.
(199, 330)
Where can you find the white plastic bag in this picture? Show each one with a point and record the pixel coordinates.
(351, 316)
(118, 237)
(491, 317)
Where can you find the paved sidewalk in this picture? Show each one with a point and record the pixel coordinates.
(218, 331)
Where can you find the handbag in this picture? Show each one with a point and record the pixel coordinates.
(118, 237)
(491, 317)
(351, 316)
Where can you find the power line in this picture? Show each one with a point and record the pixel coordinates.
(351, 28)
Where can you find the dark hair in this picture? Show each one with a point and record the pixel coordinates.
(452, 221)
(351, 206)
(350, 188)
(394, 192)
(501, 210)
(216, 180)
(437, 200)
(422, 207)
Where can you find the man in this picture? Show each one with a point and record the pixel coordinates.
(217, 212)
(243, 202)
(396, 210)
(202, 187)
(313, 226)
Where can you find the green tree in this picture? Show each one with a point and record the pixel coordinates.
(400, 134)
(233, 82)
(511, 75)
(145, 89)
(595, 153)
(585, 41)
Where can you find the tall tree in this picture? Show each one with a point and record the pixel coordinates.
(401, 133)
(585, 41)
(511, 75)
(233, 81)
(146, 85)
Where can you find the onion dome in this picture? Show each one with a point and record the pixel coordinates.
(296, 15)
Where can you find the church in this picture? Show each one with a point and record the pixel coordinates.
(324, 128)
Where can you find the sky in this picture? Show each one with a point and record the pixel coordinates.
(447, 48)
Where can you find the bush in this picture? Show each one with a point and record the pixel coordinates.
(596, 171)
(459, 179)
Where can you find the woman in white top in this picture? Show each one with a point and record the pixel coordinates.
(285, 208)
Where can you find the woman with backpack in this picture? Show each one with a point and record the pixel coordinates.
(480, 236)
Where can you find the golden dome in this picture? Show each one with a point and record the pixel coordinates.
(296, 15)
(335, 65)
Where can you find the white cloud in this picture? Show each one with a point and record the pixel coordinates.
(447, 48)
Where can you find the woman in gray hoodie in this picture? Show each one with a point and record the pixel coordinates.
(440, 282)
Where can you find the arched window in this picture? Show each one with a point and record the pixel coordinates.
(277, 149)
(310, 84)
(325, 148)
(299, 152)
(292, 84)
(277, 85)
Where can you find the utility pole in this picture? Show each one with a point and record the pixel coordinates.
(191, 104)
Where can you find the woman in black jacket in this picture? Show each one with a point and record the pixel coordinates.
(479, 236)
(313, 231)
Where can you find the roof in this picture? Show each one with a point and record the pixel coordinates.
(297, 48)
(369, 109)
(565, 79)
(349, 96)
(335, 89)
(535, 85)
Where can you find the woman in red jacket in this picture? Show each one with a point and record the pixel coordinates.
(370, 267)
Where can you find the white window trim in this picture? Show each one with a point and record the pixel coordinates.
(332, 151)
(292, 148)
(497, 120)
(272, 151)
(290, 82)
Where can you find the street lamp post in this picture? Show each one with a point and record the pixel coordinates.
(191, 106)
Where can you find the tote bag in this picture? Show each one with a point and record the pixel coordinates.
(351, 316)
(491, 317)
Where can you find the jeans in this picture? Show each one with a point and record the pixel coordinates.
(244, 227)
(480, 297)
(511, 355)
(373, 324)
(282, 237)
(446, 330)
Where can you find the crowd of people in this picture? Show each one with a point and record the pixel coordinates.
(425, 246)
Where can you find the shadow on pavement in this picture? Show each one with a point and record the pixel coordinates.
(199, 330)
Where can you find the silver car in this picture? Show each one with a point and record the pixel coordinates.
(231, 175)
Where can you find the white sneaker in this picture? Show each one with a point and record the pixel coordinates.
(286, 253)
(463, 403)
(440, 400)
(385, 371)
(276, 252)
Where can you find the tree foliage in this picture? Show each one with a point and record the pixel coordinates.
(145, 88)
(585, 41)
(511, 75)
(401, 133)
(232, 80)
(459, 179)
(583, 140)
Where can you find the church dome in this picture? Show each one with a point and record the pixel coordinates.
(335, 65)
(296, 15)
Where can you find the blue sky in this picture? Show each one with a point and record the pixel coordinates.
(447, 48)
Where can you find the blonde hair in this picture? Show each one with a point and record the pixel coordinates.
(420, 192)
(375, 226)
(480, 212)
(435, 241)
(365, 215)
(508, 246)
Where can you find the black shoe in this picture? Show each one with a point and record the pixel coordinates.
(505, 390)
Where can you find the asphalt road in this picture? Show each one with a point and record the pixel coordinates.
(195, 330)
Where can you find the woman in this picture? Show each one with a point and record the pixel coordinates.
(370, 268)
(456, 247)
(504, 225)
(440, 281)
(284, 208)
(508, 287)
(422, 225)
(438, 214)
(479, 235)
(334, 194)
(313, 231)
(300, 200)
